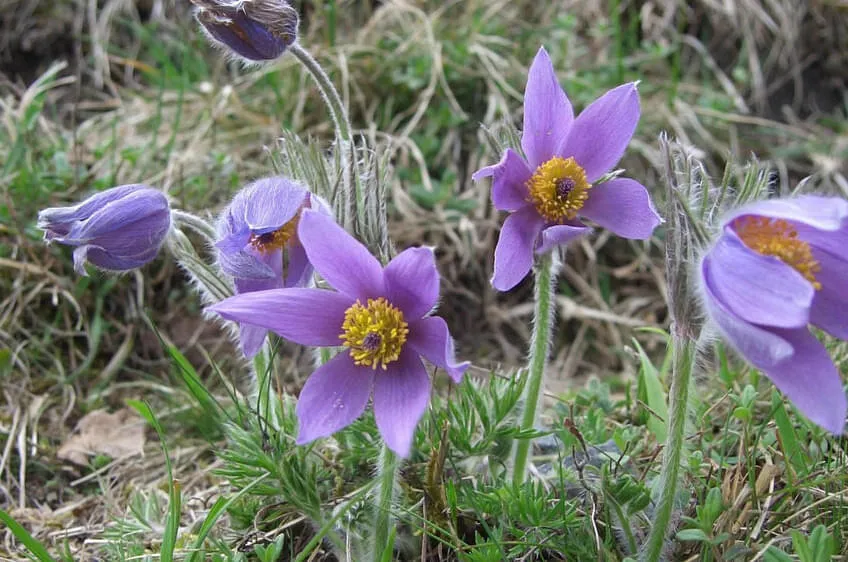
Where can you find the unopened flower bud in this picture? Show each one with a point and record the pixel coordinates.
(117, 230)
(256, 30)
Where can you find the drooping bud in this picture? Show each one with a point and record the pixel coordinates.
(255, 30)
(118, 229)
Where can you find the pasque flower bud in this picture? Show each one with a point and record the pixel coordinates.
(255, 30)
(117, 230)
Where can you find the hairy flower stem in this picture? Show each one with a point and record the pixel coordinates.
(541, 343)
(387, 480)
(683, 360)
(354, 203)
(262, 366)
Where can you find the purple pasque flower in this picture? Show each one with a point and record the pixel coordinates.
(119, 229)
(258, 243)
(256, 30)
(556, 183)
(777, 266)
(381, 316)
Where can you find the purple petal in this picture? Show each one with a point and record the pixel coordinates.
(759, 346)
(139, 219)
(830, 303)
(401, 393)
(249, 38)
(106, 260)
(304, 316)
(514, 252)
(333, 397)
(603, 130)
(811, 381)
(560, 234)
(298, 269)
(509, 189)
(822, 213)
(548, 115)
(272, 202)
(245, 265)
(430, 338)
(623, 206)
(251, 339)
(756, 288)
(412, 282)
(340, 259)
(57, 219)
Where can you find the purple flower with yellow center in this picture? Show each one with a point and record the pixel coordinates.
(381, 316)
(777, 266)
(256, 30)
(258, 244)
(548, 192)
(119, 229)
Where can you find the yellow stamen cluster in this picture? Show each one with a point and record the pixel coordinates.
(778, 238)
(374, 333)
(558, 189)
(277, 239)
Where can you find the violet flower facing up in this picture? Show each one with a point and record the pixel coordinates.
(556, 184)
(258, 244)
(119, 229)
(777, 266)
(382, 318)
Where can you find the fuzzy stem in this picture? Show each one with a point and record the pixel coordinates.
(261, 365)
(387, 476)
(347, 149)
(195, 223)
(682, 364)
(541, 343)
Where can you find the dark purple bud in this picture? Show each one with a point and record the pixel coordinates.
(256, 30)
(117, 230)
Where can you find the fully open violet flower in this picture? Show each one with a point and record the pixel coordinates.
(547, 192)
(777, 266)
(255, 30)
(119, 229)
(382, 319)
(258, 244)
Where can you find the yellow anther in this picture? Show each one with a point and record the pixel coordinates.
(778, 238)
(374, 333)
(277, 239)
(558, 189)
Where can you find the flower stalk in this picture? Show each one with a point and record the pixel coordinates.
(541, 343)
(354, 203)
(386, 481)
(683, 360)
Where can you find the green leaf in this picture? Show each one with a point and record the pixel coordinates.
(36, 548)
(788, 438)
(172, 523)
(654, 394)
(693, 535)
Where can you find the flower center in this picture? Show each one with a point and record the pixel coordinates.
(374, 333)
(276, 239)
(778, 238)
(558, 189)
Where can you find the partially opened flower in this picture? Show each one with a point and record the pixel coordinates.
(256, 30)
(777, 266)
(258, 244)
(548, 192)
(118, 229)
(382, 319)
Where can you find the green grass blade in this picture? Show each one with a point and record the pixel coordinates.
(172, 524)
(36, 548)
